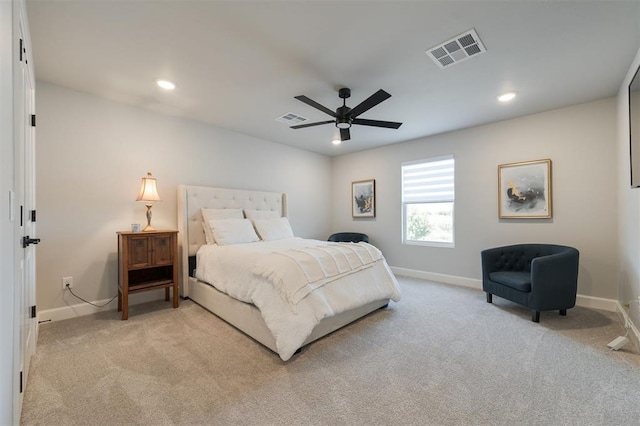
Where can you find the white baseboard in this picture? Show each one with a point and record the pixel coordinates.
(581, 300)
(82, 309)
(440, 278)
(597, 303)
(634, 334)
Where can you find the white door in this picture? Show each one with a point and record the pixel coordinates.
(29, 303)
(25, 331)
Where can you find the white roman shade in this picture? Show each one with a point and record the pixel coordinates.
(428, 181)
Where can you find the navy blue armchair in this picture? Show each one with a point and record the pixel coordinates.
(348, 237)
(542, 277)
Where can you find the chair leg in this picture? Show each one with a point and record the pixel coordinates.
(563, 312)
(489, 297)
(535, 316)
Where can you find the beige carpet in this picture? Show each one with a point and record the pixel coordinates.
(441, 356)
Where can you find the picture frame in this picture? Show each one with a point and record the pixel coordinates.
(524, 190)
(363, 198)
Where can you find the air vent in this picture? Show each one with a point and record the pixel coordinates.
(291, 119)
(457, 49)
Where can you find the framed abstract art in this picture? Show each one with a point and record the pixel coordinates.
(363, 198)
(524, 190)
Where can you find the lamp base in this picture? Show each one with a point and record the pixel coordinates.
(149, 227)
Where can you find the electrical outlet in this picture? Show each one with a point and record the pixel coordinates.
(67, 282)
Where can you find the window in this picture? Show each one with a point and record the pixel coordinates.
(427, 201)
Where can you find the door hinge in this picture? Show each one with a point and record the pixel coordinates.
(33, 120)
(33, 311)
(21, 215)
(33, 215)
(21, 50)
(21, 380)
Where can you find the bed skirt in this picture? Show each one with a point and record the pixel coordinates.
(248, 319)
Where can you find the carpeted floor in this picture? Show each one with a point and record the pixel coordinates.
(441, 356)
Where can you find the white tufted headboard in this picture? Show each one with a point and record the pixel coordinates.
(193, 198)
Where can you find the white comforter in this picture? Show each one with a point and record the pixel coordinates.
(252, 273)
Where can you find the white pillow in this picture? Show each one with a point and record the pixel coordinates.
(261, 214)
(217, 214)
(233, 231)
(273, 229)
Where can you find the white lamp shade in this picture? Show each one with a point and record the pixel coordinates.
(148, 190)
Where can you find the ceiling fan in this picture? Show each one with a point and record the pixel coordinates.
(344, 116)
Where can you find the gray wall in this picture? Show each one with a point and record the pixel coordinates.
(580, 141)
(91, 154)
(628, 206)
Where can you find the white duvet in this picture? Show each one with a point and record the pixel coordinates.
(293, 291)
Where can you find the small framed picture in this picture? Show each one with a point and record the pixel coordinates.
(524, 190)
(363, 198)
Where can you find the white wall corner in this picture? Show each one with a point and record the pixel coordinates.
(581, 300)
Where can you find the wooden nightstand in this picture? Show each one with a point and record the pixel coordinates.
(146, 261)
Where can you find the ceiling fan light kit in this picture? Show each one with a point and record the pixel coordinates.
(343, 123)
(345, 117)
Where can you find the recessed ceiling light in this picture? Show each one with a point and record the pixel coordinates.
(166, 84)
(336, 141)
(506, 97)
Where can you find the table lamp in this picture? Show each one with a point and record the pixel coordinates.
(149, 193)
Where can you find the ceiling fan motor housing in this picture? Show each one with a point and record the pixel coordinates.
(343, 120)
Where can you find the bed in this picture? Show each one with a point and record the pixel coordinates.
(284, 319)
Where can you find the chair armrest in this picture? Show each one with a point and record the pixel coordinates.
(554, 280)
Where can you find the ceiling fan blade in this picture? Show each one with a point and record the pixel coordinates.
(369, 103)
(345, 135)
(301, 126)
(316, 105)
(376, 123)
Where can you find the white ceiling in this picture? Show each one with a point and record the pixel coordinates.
(238, 64)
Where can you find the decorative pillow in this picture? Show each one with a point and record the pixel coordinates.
(217, 214)
(261, 214)
(273, 229)
(233, 231)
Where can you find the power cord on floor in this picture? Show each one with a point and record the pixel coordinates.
(620, 341)
(86, 301)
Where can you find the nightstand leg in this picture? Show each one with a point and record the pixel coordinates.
(125, 306)
(119, 300)
(176, 296)
(166, 294)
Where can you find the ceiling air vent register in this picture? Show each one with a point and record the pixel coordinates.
(291, 119)
(457, 49)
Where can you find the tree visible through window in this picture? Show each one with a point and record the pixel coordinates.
(427, 200)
